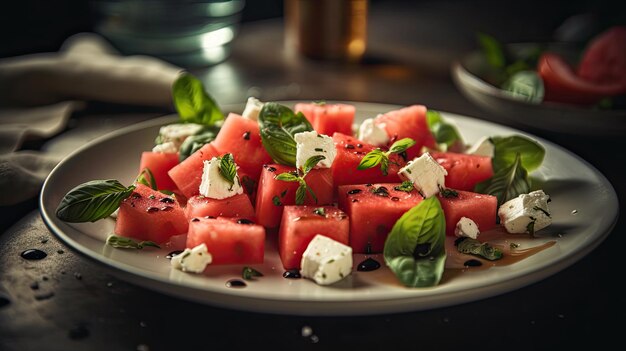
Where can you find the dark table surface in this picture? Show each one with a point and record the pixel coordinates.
(68, 302)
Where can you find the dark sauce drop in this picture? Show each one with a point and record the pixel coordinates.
(34, 285)
(236, 283)
(167, 208)
(167, 200)
(395, 198)
(292, 274)
(355, 200)
(246, 136)
(33, 254)
(269, 168)
(349, 146)
(173, 253)
(44, 296)
(195, 219)
(472, 263)
(244, 221)
(368, 265)
(152, 209)
(354, 191)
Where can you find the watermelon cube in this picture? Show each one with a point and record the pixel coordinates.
(373, 210)
(241, 137)
(187, 175)
(464, 170)
(235, 206)
(150, 215)
(273, 194)
(159, 163)
(228, 240)
(328, 118)
(480, 208)
(350, 151)
(300, 224)
(408, 122)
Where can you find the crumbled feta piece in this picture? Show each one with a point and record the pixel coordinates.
(178, 132)
(167, 147)
(373, 133)
(214, 185)
(309, 144)
(482, 147)
(517, 214)
(426, 174)
(466, 227)
(253, 107)
(192, 260)
(326, 261)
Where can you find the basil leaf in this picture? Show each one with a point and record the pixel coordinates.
(193, 103)
(194, 143)
(149, 182)
(507, 183)
(278, 124)
(372, 159)
(287, 177)
(311, 163)
(444, 133)
(401, 145)
(507, 149)
(301, 194)
(249, 273)
(406, 186)
(92, 201)
(493, 50)
(474, 247)
(526, 86)
(227, 168)
(311, 193)
(122, 242)
(415, 247)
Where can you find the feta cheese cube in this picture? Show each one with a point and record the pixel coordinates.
(517, 214)
(192, 260)
(176, 133)
(214, 185)
(373, 133)
(482, 147)
(466, 227)
(326, 261)
(167, 147)
(253, 107)
(309, 144)
(426, 174)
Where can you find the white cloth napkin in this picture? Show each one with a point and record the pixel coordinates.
(39, 92)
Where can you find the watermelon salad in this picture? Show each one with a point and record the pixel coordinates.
(320, 186)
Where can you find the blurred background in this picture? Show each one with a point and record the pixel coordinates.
(30, 26)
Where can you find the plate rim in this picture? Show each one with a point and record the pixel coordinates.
(390, 305)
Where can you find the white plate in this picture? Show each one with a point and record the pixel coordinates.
(468, 74)
(572, 183)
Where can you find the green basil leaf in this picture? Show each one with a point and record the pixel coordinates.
(193, 103)
(311, 193)
(401, 146)
(493, 50)
(372, 159)
(311, 163)
(474, 247)
(526, 86)
(287, 177)
(406, 186)
(444, 133)
(249, 273)
(415, 247)
(122, 242)
(149, 181)
(227, 168)
(384, 165)
(278, 124)
(92, 201)
(194, 143)
(507, 149)
(507, 183)
(301, 194)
